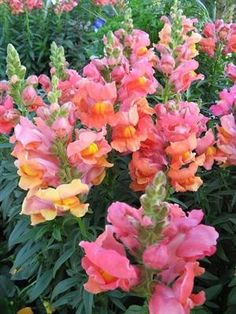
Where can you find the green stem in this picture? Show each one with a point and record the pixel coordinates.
(83, 228)
(27, 24)
(166, 91)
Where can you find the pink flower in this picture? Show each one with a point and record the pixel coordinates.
(226, 141)
(130, 131)
(138, 83)
(44, 80)
(231, 72)
(226, 103)
(106, 264)
(8, 115)
(105, 2)
(89, 147)
(95, 103)
(179, 299)
(183, 76)
(208, 45)
(166, 64)
(65, 6)
(179, 121)
(156, 256)
(69, 87)
(126, 222)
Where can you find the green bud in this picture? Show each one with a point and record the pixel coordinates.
(58, 61)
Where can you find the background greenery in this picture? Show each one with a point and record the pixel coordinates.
(40, 266)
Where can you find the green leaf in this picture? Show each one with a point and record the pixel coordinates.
(41, 284)
(88, 302)
(7, 190)
(26, 252)
(213, 291)
(200, 310)
(7, 287)
(135, 309)
(19, 229)
(232, 282)
(62, 259)
(232, 297)
(63, 286)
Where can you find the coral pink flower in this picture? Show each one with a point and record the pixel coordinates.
(165, 33)
(166, 64)
(231, 39)
(65, 6)
(184, 179)
(126, 222)
(30, 98)
(129, 131)
(8, 115)
(231, 72)
(89, 147)
(183, 76)
(95, 103)
(178, 299)
(181, 151)
(88, 154)
(226, 103)
(69, 87)
(44, 80)
(209, 30)
(106, 264)
(137, 84)
(208, 45)
(32, 136)
(148, 160)
(143, 169)
(226, 141)
(188, 50)
(156, 256)
(206, 146)
(105, 2)
(179, 121)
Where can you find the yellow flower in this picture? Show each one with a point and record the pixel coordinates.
(64, 197)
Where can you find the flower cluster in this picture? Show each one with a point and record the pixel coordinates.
(8, 115)
(19, 6)
(225, 109)
(165, 245)
(105, 2)
(218, 35)
(64, 6)
(177, 50)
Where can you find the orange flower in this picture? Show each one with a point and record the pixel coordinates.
(181, 151)
(95, 103)
(129, 131)
(184, 179)
(30, 172)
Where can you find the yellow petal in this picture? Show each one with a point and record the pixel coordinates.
(48, 214)
(74, 188)
(80, 210)
(25, 310)
(49, 194)
(36, 219)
